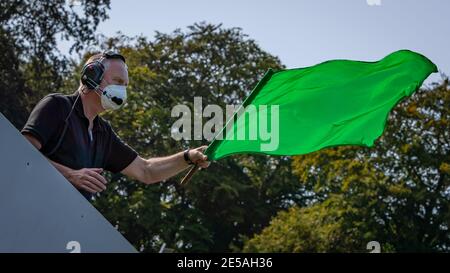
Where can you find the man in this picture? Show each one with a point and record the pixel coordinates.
(81, 145)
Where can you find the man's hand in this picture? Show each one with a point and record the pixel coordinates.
(196, 155)
(88, 179)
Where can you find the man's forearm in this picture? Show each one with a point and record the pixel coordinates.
(65, 171)
(86, 179)
(157, 169)
(161, 168)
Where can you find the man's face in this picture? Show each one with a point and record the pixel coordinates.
(116, 73)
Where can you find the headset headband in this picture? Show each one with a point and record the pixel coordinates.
(113, 55)
(92, 73)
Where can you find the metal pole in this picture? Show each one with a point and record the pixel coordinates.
(189, 175)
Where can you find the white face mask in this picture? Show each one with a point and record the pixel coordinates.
(113, 96)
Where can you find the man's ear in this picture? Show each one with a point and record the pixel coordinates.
(84, 89)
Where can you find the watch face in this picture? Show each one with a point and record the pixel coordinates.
(187, 158)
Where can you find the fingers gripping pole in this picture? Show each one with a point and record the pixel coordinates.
(194, 168)
(189, 175)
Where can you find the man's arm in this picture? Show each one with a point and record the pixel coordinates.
(147, 171)
(88, 179)
(157, 169)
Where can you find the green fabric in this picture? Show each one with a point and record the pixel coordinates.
(337, 102)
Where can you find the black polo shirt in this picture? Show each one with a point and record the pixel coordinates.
(79, 148)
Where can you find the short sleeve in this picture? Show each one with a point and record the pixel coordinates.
(44, 120)
(120, 154)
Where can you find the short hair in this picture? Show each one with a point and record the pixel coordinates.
(98, 57)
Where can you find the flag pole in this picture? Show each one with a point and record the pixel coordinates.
(189, 175)
(214, 142)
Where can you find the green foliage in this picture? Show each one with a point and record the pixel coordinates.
(396, 193)
(31, 66)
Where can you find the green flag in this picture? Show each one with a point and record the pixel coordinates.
(340, 102)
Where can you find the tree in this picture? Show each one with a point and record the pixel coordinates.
(396, 193)
(32, 66)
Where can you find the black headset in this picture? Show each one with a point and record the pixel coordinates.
(93, 72)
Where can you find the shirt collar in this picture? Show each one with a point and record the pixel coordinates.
(80, 112)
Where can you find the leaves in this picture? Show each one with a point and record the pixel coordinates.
(32, 66)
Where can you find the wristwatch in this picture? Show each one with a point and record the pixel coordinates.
(187, 158)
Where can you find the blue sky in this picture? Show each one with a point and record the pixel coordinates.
(303, 32)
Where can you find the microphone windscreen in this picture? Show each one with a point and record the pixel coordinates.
(117, 100)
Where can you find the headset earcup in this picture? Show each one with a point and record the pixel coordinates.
(92, 74)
